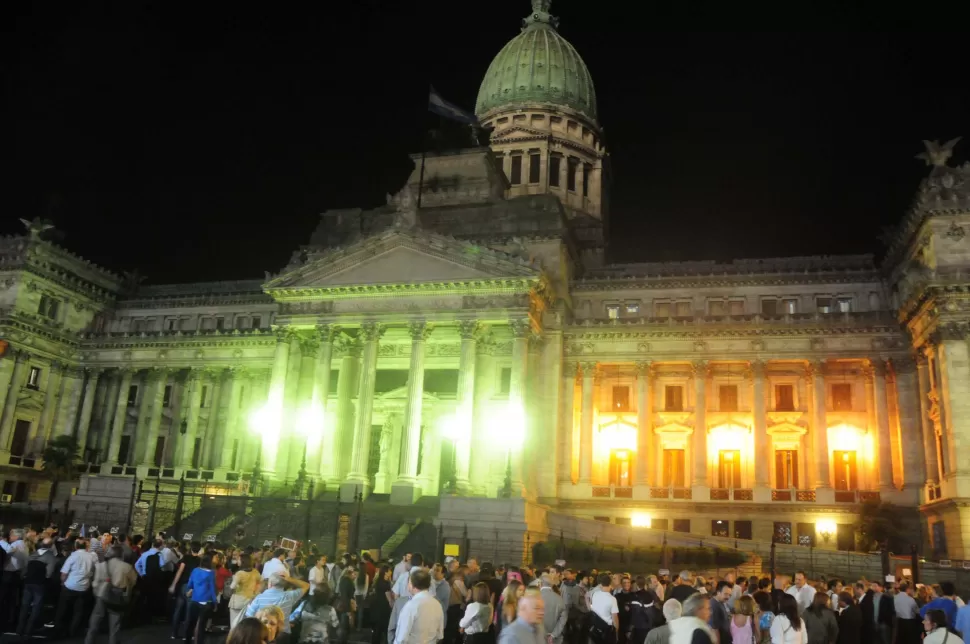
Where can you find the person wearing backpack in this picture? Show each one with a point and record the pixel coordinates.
(114, 582)
(40, 569)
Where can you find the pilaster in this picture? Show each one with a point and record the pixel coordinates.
(570, 369)
(910, 423)
(762, 451)
(820, 431)
(644, 427)
(146, 390)
(881, 412)
(226, 439)
(589, 370)
(930, 462)
(701, 372)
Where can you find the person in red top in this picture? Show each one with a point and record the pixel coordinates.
(223, 575)
(370, 568)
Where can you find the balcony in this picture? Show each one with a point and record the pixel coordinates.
(612, 492)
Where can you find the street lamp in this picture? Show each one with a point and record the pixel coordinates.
(826, 529)
(509, 429)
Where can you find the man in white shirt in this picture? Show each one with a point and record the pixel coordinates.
(422, 620)
(603, 603)
(276, 565)
(802, 592)
(401, 585)
(14, 567)
(76, 575)
(401, 567)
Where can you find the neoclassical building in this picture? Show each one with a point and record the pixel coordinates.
(483, 345)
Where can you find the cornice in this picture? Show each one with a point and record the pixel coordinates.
(176, 339)
(480, 286)
(687, 282)
(13, 322)
(189, 302)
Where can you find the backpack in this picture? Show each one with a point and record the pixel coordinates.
(114, 597)
(153, 566)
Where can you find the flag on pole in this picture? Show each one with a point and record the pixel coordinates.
(448, 110)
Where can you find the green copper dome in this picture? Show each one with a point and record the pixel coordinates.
(538, 66)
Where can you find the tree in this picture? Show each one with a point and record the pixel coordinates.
(60, 464)
(879, 527)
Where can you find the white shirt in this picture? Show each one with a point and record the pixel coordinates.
(16, 556)
(401, 585)
(782, 632)
(400, 568)
(804, 596)
(275, 567)
(421, 621)
(937, 637)
(79, 568)
(604, 605)
(316, 576)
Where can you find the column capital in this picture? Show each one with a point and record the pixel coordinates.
(371, 331)
(644, 368)
(159, 373)
(420, 330)
(327, 332)
(520, 327)
(283, 333)
(756, 368)
(57, 367)
(194, 374)
(471, 329)
(94, 372)
(535, 342)
(127, 370)
(589, 369)
(700, 369)
(904, 364)
(922, 360)
(815, 369)
(570, 369)
(309, 344)
(18, 354)
(877, 366)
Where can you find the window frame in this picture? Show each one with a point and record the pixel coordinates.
(33, 378)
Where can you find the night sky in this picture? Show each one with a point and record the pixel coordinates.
(201, 141)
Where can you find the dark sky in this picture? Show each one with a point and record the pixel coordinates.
(200, 141)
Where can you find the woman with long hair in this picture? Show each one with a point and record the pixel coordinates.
(766, 615)
(248, 631)
(820, 621)
(477, 621)
(744, 627)
(510, 603)
(273, 618)
(245, 585)
(788, 627)
(381, 604)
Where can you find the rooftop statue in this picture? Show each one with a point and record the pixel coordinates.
(936, 154)
(37, 226)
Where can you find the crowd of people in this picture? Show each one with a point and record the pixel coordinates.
(271, 595)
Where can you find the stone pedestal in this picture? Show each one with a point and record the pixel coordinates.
(403, 493)
(825, 495)
(499, 529)
(761, 494)
(641, 492)
(350, 489)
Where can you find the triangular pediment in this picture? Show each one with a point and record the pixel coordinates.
(518, 130)
(403, 257)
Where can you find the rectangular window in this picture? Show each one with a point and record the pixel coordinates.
(554, 168)
(674, 468)
(256, 322)
(172, 324)
(208, 324)
(205, 394)
(806, 534)
(48, 307)
(505, 380)
(632, 308)
(684, 309)
(728, 397)
(20, 492)
(235, 454)
(159, 451)
(720, 528)
(585, 180)
(844, 304)
(241, 322)
(220, 323)
(659, 524)
(790, 306)
(534, 169)
(33, 378)
(742, 529)
(123, 449)
(784, 398)
(132, 395)
(786, 469)
(197, 452)
(716, 307)
(620, 467)
(571, 164)
(167, 396)
(844, 465)
(736, 307)
(515, 174)
(673, 398)
(681, 525)
(842, 396)
(782, 532)
(769, 308)
(21, 431)
(729, 468)
(823, 304)
(613, 312)
(661, 309)
(621, 398)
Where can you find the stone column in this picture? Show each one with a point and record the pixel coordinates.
(158, 378)
(820, 433)
(483, 423)
(63, 419)
(932, 466)
(357, 478)
(225, 439)
(319, 396)
(910, 422)
(190, 413)
(762, 455)
(881, 414)
(954, 363)
(586, 424)
(120, 415)
(346, 390)
(644, 428)
(469, 331)
(405, 490)
(216, 402)
(51, 397)
(270, 435)
(10, 402)
(147, 395)
(112, 393)
(521, 329)
(569, 370)
(87, 407)
(700, 373)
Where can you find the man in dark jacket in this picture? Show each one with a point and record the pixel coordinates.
(645, 615)
(40, 568)
(883, 612)
(850, 620)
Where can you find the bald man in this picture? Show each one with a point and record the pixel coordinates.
(527, 627)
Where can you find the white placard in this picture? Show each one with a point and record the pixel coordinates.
(92, 528)
(966, 565)
(945, 563)
(561, 562)
(267, 543)
(907, 572)
(113, 530)
(890, 579)
(187, 536)
(73, 526)
(211, 538)
(663, 571)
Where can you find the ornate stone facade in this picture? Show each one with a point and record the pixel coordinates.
(482, 345)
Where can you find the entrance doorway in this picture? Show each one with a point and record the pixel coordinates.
(620, 468)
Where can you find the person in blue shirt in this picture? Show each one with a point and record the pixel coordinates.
(154, 550)
(946, 603)
(200, 590)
